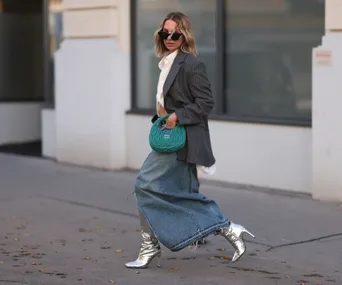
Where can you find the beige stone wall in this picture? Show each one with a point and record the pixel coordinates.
(333, 15)
(97, 19)
(55, 5)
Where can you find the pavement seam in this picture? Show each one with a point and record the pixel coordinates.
(14, 281)
(304, 241)
(89, 206)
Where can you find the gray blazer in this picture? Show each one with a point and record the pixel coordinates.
(187, 92)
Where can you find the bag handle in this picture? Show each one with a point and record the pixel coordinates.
(161, 119)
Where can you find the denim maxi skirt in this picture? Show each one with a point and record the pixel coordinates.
(167, 194)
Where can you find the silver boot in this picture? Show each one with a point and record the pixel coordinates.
(150, 247)
(234, 234)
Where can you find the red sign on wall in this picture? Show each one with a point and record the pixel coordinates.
(323, 57)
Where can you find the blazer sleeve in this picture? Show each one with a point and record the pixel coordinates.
(203, 101)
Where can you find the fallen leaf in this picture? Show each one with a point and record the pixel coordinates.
(173, 269)
(57, 251)
(119, 250)
(1, 262)
(112, 281)
(87, 258)
(22, 227)
(211, 258)
(34, 263)
(221, 249)
(83, 230)
(42, 270)
(225, 257)
(137, 272)
(27, 235)
(313, 275)
(16, 239)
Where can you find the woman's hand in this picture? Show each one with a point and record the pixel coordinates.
(171, 121)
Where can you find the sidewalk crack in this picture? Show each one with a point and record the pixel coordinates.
(80, 204)
(304, 241)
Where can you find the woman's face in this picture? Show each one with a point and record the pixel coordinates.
(170, 27)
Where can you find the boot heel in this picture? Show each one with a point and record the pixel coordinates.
(156, 261)
(159, 260)
(247, 232)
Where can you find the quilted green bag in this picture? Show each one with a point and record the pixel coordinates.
(163, 139)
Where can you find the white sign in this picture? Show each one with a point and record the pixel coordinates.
(323, 57)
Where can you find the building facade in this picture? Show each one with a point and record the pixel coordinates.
(273, 66)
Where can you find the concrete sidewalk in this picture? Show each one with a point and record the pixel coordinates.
(67, 225)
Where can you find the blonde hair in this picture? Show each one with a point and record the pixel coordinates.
(184, 27)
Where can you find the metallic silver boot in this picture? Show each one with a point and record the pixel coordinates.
(150, 247)
(234, 234)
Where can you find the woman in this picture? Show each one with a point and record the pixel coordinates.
(172, 212)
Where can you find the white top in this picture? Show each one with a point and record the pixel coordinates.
(165, 66)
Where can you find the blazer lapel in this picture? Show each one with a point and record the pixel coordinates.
(173, 72)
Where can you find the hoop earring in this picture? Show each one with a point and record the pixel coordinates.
(182, 48)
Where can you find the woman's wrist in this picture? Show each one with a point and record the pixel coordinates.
(173, 117)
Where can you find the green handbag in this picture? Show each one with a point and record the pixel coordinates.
(163, 139)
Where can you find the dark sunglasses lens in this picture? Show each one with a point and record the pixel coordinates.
(163, 35)
(175, 37)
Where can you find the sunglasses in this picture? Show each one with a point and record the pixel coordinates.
(164, 35)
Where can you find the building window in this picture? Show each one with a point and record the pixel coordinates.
(268, 61)
(257, 54)
(21, 51)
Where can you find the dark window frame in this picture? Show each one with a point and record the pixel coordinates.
(221, 114)
(49, 73)
(49, 100)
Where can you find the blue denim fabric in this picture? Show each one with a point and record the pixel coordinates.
(167, 193)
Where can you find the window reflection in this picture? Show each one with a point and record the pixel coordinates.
(56, 37)
(269, 44)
